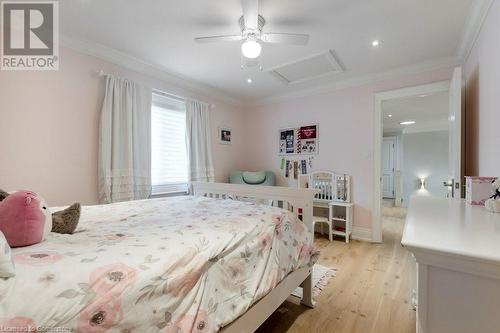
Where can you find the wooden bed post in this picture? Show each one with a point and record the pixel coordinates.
(307, 285)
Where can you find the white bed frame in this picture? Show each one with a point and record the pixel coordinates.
(290, 199)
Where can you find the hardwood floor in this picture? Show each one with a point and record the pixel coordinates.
(371, 292)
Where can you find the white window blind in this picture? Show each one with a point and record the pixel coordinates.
(169, 166)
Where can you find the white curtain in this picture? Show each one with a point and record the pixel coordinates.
(125, 142)
(199, 149)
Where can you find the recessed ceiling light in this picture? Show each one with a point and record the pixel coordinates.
(375, 43)
(409, 122)
(249, 80)
(389, 115)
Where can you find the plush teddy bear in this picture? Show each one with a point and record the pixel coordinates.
(33, 219)
(24, 218)
(66, 221)
(493, 203)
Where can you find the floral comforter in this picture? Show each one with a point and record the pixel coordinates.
(185, 264)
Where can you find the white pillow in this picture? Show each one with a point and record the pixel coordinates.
(6, 263)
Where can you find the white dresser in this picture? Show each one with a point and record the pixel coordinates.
(457, 250)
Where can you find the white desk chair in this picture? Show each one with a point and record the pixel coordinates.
(323, 221)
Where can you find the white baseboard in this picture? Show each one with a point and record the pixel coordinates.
(361, 233)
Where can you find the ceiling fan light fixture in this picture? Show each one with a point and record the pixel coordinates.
(251, 49)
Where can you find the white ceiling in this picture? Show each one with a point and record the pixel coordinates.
(161, 33)
(430, 113)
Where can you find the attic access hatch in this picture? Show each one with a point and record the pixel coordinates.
(313, 67)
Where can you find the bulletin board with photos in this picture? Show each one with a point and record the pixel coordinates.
(303, 140)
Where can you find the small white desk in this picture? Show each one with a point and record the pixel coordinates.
(457, 249)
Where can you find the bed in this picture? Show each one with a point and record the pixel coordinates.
(223, 259)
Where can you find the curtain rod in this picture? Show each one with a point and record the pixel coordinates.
(178, 98)
(101, 72)
(172, 96)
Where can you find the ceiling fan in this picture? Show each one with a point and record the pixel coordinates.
(251, 24)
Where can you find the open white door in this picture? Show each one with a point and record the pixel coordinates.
(455, 134)
(388, 149)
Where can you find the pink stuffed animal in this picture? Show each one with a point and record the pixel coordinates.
(24, 219)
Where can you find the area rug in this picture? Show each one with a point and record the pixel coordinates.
(321, 275)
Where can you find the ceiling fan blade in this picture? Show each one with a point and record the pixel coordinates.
(295, 39)
(251, 13)
(211, 39)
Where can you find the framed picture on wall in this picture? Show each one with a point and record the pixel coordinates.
(225, 135)
(308, 139)
(287, 141)
(303, 140)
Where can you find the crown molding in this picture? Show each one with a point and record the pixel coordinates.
(426, 128)
(159, 72)
(473, 27)
(471, 32)
(356, 81)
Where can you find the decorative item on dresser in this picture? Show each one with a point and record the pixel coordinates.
(334, 194)
(478, 189)
(493, 203)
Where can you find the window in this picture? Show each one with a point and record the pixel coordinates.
(169, 165)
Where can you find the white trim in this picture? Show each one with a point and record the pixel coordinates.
(473, 27)
(356, 81)
(377, 144)
(428, 128)
(122, 59)
(471, 32)
(361, 233)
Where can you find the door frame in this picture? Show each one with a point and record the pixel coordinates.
(380, 98)
(394, 140)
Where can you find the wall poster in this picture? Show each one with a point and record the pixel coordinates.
(299, 141)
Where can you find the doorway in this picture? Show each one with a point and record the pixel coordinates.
(426, 122)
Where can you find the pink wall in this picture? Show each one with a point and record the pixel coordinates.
(49, 127)
(345, 119)
(482, 72)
